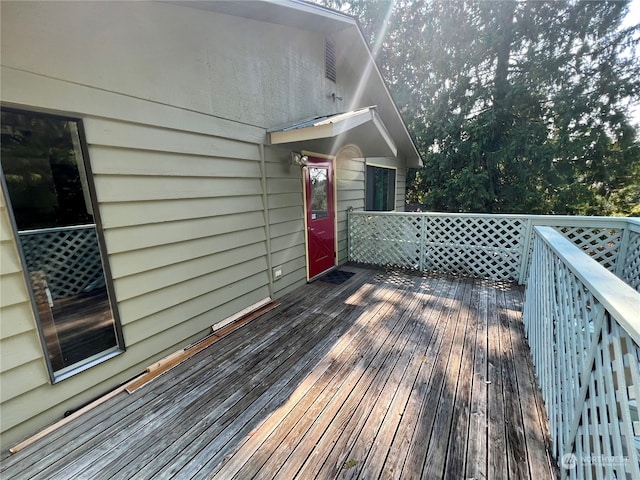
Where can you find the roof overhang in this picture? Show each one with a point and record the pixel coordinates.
(291, 13)
(357, 62)
(363, 127)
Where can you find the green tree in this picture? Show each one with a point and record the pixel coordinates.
(515, 106)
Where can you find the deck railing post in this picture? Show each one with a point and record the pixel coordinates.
(349, 210)
(526, 249)
(622, 251)
(630, 270)
(423, 241)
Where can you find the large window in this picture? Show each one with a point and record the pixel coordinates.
(45, 180)
(380, 189)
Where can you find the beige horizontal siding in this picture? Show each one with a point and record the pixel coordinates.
(9, 261)
(280, 215)
(286, 219)
(157, 211)
(184, 225)
(29, 376)
(292, 253)
(151, 235)
(112, 188)
(178, 182)
(283, 200)
(136, 136)
(142, 306)
(22, 364)
(350, 177)
(293, 275)
(278, 164)
(17, 318)
(147, 259)
(351, 193)
(286, 242)
(401, 189)
(196, 312)
(197, 268)
(178, 188)
(287, 228)
(168, 164)
(13, 289)
(19, 350)
(198, 194)
(284, 185)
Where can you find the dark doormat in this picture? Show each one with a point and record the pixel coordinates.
(337, 277)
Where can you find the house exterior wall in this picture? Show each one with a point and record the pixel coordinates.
(286, 219)
(195, 209)
(184, 226)
(179, 193)
(350, 175)
(175, 55)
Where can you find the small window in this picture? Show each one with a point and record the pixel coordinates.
(380, 189)
(330, 60)
(44, 171)
(319, 192)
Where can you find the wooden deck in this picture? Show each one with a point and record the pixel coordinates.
(388, 375)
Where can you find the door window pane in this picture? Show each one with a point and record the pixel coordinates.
(47, 186)
(319, 193)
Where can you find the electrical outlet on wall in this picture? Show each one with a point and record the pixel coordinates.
(277, 273)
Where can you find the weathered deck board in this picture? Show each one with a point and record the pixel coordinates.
(388, 375)
(405, 432)
(400, 388)
(476, 461)
(455, 456)
(533, 416)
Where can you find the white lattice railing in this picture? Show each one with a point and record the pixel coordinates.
(68, 256)
(629, 270)
(583, 327)
(487, 246)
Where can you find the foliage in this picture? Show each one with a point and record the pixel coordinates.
(515, 106)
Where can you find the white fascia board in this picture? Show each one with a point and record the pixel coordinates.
(384, 133)
(351, 122)
(327, 128)
(301, 134)
(318, 10)
(380, 79)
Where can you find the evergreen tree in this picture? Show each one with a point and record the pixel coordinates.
(515, 106)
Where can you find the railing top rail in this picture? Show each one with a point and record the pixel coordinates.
(633, 222)
(56, 229)
(622, 301)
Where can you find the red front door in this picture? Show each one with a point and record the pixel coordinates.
(321, 235)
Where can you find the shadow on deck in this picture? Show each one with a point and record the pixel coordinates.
(388, 375)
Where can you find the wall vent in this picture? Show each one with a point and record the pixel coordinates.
(330, 60)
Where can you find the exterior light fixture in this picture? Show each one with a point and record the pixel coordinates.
(299, 159)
